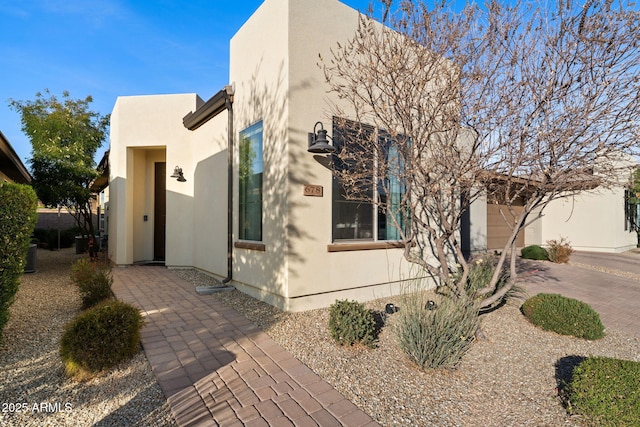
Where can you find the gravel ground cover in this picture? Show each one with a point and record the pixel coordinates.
(33, 388)
(508, 378)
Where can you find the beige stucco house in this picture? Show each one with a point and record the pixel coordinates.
(228, 186)
(286, 246)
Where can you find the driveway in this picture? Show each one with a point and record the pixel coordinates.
(610, 283)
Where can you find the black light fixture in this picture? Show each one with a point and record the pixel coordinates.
(318, 142)
(177, 173)
(430, 305)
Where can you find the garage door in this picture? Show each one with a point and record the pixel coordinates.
(498, 232)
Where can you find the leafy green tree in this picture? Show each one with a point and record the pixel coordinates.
(65, 135)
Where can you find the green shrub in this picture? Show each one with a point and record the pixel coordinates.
(100, 338)
(480, 273)
(566, 316)
(93, 279)
(559, 250)
(18, 215)
(350, 322)
(605, 391)
(438, 337)
(535, 252)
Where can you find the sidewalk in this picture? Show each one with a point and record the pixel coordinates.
(217, 368)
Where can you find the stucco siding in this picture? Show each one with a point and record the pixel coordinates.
(591, 221)
(259, 69)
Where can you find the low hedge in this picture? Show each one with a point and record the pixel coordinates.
(605, 391)
(18, 204)
(566, 316)
(535, 252)
(49, 237)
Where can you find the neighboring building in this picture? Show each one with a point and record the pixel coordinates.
(288, 248)
(11, 167)
(594, 220)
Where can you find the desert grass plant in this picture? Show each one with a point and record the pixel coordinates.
(565, 316)
(100, 338)
(93, 280)
(605, 392)
(535, 252)
(437, 337)
(350, 322)
(481, 271)
(559, 250)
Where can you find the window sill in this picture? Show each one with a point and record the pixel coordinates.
(363, 246)
(255, 246)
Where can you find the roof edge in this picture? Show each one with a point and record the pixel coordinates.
(205, 112)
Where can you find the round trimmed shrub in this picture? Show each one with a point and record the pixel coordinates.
(605, 391)
(535, 252)
(350, 322)
(100, 338)
(93, 280)
(565, 316)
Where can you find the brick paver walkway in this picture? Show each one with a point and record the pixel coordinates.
(217, 368)
(615, 297)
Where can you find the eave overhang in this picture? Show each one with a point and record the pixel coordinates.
(214, 106)
(10, 163)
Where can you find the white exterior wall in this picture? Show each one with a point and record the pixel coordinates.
(274, 60)
(149, 129)
(209, 222)
(591, 221)
(273, 65)
(259, 69)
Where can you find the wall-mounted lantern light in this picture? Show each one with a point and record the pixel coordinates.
(318, 142)
(177, 173)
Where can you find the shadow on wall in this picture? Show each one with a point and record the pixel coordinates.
(210, 211)
(268, 101)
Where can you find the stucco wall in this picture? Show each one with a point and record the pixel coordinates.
(145, 130)
(591, 221)
(259, 67)
(274, 65)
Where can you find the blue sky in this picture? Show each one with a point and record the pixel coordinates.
(109, 48)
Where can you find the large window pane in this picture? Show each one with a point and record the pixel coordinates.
(391, 213)
(250, 183)
(352, 219)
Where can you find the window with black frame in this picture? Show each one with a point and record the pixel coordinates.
(250, 183)
(371, 207)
